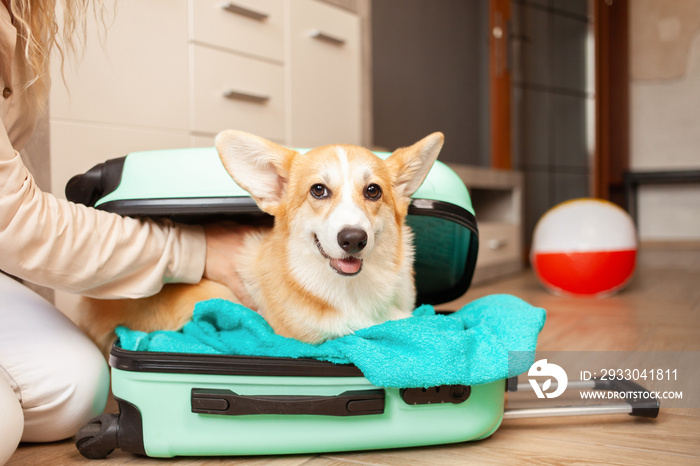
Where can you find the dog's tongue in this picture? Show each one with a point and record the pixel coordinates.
(348, 266)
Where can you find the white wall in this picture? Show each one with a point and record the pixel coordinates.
(665, 113)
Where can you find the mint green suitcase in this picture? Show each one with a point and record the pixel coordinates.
(184, 404)
(204, 405)
(194, 405)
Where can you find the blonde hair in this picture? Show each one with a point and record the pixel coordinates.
(39, 31)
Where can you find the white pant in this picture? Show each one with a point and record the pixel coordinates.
(53, 379)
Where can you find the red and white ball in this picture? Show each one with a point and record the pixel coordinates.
(584, 247)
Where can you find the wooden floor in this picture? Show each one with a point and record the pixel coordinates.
(659, 311)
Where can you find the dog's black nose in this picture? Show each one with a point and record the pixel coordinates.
(352, 240)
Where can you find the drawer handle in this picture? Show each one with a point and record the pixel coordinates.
(328, 38)
(243, 11)
(496, 244)
(248, 97)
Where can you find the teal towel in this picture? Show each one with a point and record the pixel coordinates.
(469, 347)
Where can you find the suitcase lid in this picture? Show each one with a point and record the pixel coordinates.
(192, 186)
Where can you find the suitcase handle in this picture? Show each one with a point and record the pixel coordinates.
(646, 406)
(228, 403)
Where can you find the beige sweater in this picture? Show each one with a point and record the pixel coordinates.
(55, 243)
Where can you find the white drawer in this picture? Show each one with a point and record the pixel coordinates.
(498, 243)
(252, 27)
(325, 74)
(135, 75)
(255, 89)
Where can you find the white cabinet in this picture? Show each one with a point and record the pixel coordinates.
(121, 95)
(324, 75)
(134, 73)
(168, 73)
(237, 67)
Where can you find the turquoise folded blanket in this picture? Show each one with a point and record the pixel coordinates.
(469, 347)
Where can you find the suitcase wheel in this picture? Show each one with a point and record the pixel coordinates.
(98, 438)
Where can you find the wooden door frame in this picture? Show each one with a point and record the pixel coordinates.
(612, 100)
(500, 84)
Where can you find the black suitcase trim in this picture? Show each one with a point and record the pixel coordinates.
(459, 216)
(187, 210)
(188, 363)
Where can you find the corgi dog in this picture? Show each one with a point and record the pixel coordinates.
(338, 258)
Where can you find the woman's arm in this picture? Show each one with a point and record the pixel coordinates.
(55, 243)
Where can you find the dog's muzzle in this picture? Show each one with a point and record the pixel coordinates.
(349, 265)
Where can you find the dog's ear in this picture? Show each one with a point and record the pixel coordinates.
(412, 164)
(257, 165)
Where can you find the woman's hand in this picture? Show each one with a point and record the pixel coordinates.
(224, 241)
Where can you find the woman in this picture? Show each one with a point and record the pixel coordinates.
(52, 378)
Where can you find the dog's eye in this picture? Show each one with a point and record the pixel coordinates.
(319, 191)
(373, 192)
